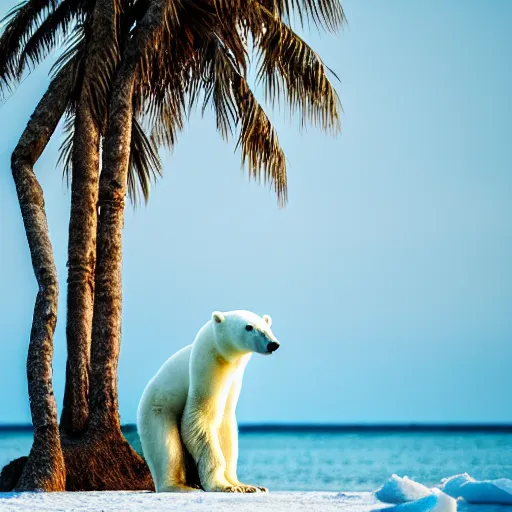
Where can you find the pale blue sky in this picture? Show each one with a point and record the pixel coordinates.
(388, 275)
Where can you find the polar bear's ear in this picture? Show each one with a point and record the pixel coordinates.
(218, 317)
(268, 320)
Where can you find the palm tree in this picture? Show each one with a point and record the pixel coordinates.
(45, 468)
(200, 47)
(75, 83)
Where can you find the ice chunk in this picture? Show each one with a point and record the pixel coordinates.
(474, 491)
(436, 501)
(401, 490)
(452, 484)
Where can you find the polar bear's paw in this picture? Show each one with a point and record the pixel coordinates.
(252, 488)
(222, 487)
(231, 488)
(239, 488)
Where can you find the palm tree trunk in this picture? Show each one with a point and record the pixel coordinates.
(110, 462)
(44, 469)
(81, 264)
(106, 336)
(89, 117)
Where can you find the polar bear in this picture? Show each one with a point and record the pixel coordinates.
(186, 416)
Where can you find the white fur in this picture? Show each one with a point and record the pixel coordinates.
(190, 403)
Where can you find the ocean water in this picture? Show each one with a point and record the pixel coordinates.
(345, 461)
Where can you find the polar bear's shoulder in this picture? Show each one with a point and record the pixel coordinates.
(173, 371)
(176, 360)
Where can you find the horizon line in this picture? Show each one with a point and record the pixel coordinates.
(331, 427)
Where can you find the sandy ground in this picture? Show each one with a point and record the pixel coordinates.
(205, 502)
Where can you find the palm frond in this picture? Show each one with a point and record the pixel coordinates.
(186, 23)
(323, 13)
(18, 25)
(259, 143)
(166, 116)
(289, 68)
(166, 74)
(326, 14)
(230, 30)
(73, 58)
(103, 54)
(218, 88)
(65, 159)
(145, 164)
(138, 8)
(236, 107)
(162, 100)
(46, 36)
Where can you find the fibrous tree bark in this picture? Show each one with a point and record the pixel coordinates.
(89, 115)
(81, 264)
(45, 468)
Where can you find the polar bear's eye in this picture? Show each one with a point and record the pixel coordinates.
(249, 327)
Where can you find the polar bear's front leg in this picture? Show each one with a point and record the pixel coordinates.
(228, 435)
(202, 441)
(229, 442)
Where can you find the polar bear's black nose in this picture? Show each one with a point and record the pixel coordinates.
(273, 346)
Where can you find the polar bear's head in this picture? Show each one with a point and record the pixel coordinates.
(245, 331)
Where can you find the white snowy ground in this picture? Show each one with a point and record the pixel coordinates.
(205, 502)
(192, 502)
